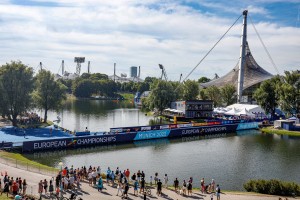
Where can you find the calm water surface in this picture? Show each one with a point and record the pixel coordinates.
(230, 159)
(99, 115)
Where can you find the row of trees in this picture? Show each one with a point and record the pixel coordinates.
(164, 92)
(99, 84)
(20, 91)
(280, 91)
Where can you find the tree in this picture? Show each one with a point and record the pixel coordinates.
(68, 83)
(290, 92)
(98, 76)
(203, 80)
(83, 88)
(203, 95)
(190, 90)
(267, 95)
(48, 94)
(228, 94)
(16, 85)
(213, 93)
(85, 76)
(162, 94)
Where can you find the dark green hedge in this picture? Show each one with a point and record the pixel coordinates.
(274, 187)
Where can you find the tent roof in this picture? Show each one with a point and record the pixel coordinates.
(253, 74)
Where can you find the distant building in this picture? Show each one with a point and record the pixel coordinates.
(133, 71)
(122, 79)
(66, 76)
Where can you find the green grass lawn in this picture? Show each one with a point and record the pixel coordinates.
(271, 130)
(3, 197)
(127, 96)
(25, 161)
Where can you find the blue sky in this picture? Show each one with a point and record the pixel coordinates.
(145, 33)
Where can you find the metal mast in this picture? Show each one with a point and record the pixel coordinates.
(114, 72)
(242, 58)
(62, 67)
(89, 63)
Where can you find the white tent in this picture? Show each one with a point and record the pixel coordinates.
(249, 107)
(246, 112)
(244, 109)
(232, 111)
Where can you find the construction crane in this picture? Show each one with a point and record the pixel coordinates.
(163, 72)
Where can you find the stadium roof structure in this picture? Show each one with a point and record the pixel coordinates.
(253, 74)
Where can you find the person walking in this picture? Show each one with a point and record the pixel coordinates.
(45, 184)
(24, 186)
(139, 174)
(142, 188)
(135, 188)
(40, 188)
(218, 192)
(166, 180)
(51, 188)
(213, 184)
(159, 187)
(184, 187)
(156, 178)
(20, 185)
(127, 174)
(100, 184)
(120, 188)
(189, 188)
(126, 190)
(176, 184)
(202, 185)
(5, 188)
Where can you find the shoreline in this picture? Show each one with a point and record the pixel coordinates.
(91, 193)
(271, 130)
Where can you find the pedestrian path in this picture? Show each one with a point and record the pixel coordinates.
(90, 193)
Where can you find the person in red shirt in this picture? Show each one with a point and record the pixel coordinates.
(15, 188)
(127, 174)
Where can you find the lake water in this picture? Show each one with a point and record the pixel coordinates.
(231, 159)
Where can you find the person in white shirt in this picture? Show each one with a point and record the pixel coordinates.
(72, 180)
(166, 180)
(90, 177)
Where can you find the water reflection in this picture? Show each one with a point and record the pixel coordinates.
(99, 115)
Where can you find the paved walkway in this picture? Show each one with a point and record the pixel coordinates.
(90, 193)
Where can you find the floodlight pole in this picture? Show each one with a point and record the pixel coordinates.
(79, 60)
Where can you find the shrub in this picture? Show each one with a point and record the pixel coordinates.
(274, 187)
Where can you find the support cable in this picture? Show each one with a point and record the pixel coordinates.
(209, 51)
(264, 47)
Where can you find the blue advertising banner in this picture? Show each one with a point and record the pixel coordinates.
(145, 135)
(248, 125)
(76, 142)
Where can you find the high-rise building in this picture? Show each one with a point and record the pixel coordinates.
(133, 71)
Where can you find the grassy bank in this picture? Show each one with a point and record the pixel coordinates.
(271, 130)
(3, 197)
(127, 96)
(19, 159)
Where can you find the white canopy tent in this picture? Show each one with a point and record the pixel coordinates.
(241, 109)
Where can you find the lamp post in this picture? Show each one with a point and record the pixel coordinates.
(61, 164)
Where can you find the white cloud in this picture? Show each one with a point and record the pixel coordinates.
(132, 33)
